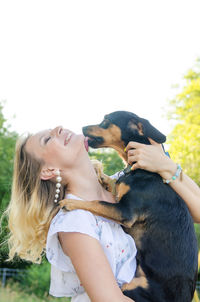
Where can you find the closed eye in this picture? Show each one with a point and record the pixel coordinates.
(47, 139)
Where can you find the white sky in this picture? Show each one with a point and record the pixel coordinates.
(70, 62)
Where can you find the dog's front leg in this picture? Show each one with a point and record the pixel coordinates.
(108, 210)
(140, 280)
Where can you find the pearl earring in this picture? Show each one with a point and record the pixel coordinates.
(58, 185)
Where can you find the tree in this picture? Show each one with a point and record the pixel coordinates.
(7, 146)
(112, 163)
(184, 140)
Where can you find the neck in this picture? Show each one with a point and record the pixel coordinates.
(82, 181)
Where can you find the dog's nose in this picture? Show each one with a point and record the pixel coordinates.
(84, 129)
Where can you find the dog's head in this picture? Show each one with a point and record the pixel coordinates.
(119, 128)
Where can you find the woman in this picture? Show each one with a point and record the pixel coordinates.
(78, 243)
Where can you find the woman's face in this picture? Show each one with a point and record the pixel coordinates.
(58, 148)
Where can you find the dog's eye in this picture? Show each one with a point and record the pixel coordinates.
(105, 124)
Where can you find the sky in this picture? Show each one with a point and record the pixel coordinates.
(71, 62)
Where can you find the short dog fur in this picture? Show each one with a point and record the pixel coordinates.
(151, 212)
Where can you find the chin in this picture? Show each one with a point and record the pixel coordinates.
(78, 143)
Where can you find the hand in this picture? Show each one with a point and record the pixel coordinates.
(151, 158)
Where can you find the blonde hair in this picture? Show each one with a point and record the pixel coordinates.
(32, 206)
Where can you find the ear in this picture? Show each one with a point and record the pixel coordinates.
(150, 131)
(47, 173)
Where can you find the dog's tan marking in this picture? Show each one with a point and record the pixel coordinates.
(140, 128)
(132, 125)
(108, 211)
(98, 167)
(137, 234)
(106, 181)
(139, 271)
(111, 135)
(136, 228)
(112, 138)
(122, 189)
(139, 281)
(109, 184)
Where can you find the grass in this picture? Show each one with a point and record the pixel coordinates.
(13, 295)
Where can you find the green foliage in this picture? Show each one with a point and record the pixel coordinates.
(185, 138)
(197, 229)
(7, 147)
(112, 163)
(13, 293)
(37, 279)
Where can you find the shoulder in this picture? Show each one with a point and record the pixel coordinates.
(75, 216)
(74, 221)
(77, 221)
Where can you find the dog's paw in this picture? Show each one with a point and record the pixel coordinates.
(125, 286)
(67, 204)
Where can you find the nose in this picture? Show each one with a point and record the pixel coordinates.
(57, 131)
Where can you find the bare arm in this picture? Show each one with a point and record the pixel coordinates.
(152, 158)
(92, 267)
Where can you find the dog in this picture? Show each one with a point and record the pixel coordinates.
(151, 212)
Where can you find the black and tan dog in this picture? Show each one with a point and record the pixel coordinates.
(151, 212)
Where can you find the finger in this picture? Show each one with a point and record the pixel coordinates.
(132, 159)
(134, 167)
(155, 143)
(152, 141)
(132, 145)
(131, 152)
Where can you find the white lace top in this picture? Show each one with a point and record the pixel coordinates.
(118, 246)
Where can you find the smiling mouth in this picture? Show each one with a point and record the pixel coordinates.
(67, 139)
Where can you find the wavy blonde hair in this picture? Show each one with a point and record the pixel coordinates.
(32, 206)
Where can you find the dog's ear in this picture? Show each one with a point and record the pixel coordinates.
(150, 131)
(144, 128)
